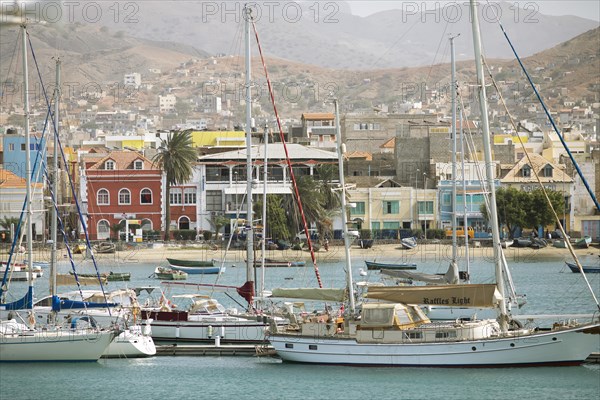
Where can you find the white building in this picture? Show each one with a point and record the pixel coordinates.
(166, 103)
(134, 79)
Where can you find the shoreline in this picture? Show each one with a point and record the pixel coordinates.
(430, 252)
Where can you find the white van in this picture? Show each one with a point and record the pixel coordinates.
(314, 235)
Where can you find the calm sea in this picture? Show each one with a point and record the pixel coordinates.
(549, 286)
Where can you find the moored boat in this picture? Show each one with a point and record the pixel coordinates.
(198, 270)
(584, 242)
(169, 274)
(191, 263)
(278, 263)
(372, 265)
(586, 268)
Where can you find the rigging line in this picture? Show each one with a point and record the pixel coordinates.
(287, 156)
(437, 51)
(486, 191)
(395, 43)
(59, 144)
(537, 177)
(539, 97)
(12, 58)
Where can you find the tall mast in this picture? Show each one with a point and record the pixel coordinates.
(453, 94)
(29, 212)
(487, 151)
(340, 152)
(264, 213)
(464, 187)
(54, 220)
(249, 220)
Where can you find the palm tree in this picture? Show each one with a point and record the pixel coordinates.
(175, 158)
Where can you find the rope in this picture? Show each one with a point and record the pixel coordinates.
(537, 177)
(287, 157)
(83, 224)
(537, 93)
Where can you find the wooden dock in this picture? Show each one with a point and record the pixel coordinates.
(594, 358)
(246, 350)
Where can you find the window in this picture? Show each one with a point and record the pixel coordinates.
(138, 164)
(391, 225)
(359, 209)
(102, 197)
(214, 200)
(363, 126)
(189, 196)
(526, 171)
(11, 147)
(391, 207)
(425, 207)
(375, 226)
(175, 196)
(23, 147)
(109, 165)
(447, 199)
(547, 171)
(124, 196)
(445, 335)
(103, 228)
(146, 196)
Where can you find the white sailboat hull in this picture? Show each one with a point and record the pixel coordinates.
(131, 343)
(565, 347)
(203, 331)
(54, 345)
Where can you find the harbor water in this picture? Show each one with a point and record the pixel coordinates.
(549, 285)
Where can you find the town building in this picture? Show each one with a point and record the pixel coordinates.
(122, 185)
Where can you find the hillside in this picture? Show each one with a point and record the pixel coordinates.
(95, 54)
(92, 53)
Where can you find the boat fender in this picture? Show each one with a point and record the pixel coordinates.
(31, 320)
(209, 331)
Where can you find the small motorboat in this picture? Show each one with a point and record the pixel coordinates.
(372, 265)
(409, 242)
(169, 274)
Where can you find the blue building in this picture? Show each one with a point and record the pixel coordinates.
(14, 155)
(473, 196)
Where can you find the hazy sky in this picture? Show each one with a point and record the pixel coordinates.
(589, 9)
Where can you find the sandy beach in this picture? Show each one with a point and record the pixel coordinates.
(430, 252)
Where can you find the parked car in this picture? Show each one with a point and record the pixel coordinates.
(314, 235)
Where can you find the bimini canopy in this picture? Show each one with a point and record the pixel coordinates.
(321, 294)
(471, 295)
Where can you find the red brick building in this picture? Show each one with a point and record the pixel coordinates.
(122, 185)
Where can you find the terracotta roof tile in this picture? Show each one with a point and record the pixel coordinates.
(123, 160)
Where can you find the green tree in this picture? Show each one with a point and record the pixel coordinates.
(312, 203)
(511, 205)
(539, 212)
(217, 222)
(6, 222)
(524, 209)
(277, 222)
(175, 158)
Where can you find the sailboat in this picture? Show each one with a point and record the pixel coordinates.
(204, 318)
(22, 341)
(396, 332)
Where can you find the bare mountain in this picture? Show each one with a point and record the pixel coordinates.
(91, 53)
(328, 35)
